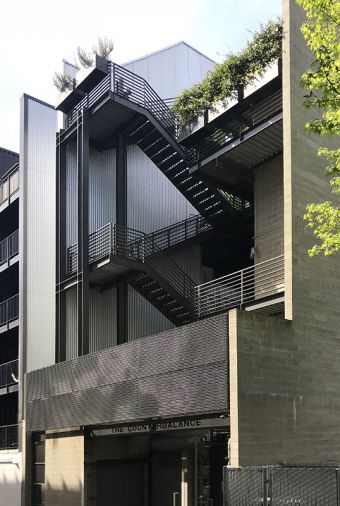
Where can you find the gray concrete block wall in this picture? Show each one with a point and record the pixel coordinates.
(288, 372)
(268, 190)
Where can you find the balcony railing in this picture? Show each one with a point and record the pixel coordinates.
(9, 184)
(9, 247)
(134, 244)
(131, 87)
(9, 310)
(8, 373)
(8, 437)
(258, 282)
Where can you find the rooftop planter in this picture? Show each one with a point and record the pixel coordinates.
(87, 78)
(69, 98)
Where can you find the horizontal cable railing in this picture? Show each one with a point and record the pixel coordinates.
(240, 288)
(236, 127)
(8, 437)
(9, 373)
(9, 184)
(9, 310)
(9, 247)
(131, 87)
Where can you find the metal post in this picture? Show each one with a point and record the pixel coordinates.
(337, 473)
(242, 280)
(175, 499)
(265, 486)
(83, 233)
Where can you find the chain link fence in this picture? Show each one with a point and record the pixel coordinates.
(282, 485)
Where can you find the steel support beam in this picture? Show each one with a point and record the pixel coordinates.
(60, 345)
(83, 285)
(121, 219)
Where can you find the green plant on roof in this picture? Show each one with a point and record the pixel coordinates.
(85, 57)
(104, 47)
(236, 70)
(62, 81)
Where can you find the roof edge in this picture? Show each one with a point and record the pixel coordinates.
(164, 49)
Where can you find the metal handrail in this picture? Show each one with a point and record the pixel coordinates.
(136, 246)
(240, 288)
(9, 247)
(9, 373)
(101, 242)
(132, 87)
(235, 128)
(9, 184)
(9, 310)
(9, 437)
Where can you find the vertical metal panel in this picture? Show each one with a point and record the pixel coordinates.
(143, 318)
(71, 324)
(71, 195)
(190, 261)
(7, 160)
(37, 233)
(102, 190)
(103, 319)
(153, 201)
(173, 69)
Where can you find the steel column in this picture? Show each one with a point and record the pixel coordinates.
(121, 219)
(83, 232)
(60, 350)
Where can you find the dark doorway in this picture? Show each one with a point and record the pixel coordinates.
(121, 483)
(166, 478)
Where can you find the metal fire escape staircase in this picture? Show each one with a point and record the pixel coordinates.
(146, 264)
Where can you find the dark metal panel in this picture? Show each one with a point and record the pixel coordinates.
(7, 160)
(179, 372)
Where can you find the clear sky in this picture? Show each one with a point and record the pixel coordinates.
(36, 34)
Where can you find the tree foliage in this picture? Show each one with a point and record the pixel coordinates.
(237, 70)
(322, 80)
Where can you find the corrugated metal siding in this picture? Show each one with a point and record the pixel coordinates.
(71, 194)
(103, 319)
(153, 201)
(143, 318)
(37, 233)
(173, 69)
(190, 261)
(71, 324)
(102, 188)
(102, 191)
(7, 160)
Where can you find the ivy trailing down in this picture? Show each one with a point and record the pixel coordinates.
(237, 70)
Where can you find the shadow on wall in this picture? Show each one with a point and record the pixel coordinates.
(10, 484)
(63, 494)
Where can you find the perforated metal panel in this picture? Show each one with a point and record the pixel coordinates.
(178, 372)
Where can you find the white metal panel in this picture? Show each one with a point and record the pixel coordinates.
(173, 69)
(143, 318)
(153, 201)
(37, 233)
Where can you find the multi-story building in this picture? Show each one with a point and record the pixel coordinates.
(10, 458)
(185, 326)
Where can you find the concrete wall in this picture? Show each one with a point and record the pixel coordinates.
(10, 478)
(64, 469)
(268, 190)
(285, 403)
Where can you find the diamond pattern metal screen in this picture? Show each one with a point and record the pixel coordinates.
(282, 485)
(179, 372)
